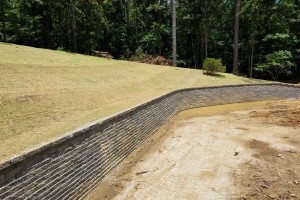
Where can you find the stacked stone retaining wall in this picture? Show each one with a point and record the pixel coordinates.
(71, 166)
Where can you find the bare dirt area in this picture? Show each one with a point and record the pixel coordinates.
(237, 151)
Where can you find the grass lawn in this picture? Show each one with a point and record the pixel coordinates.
(45, 93)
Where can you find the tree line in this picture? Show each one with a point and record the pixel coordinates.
(268, 32)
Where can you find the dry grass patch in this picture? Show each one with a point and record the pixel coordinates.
(45, 93)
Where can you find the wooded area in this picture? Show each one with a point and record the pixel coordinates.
(268, 43)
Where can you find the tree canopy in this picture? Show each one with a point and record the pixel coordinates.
(205, 28)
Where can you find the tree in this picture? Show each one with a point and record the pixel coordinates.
(203, 28)
(159, 31)
(276, 63)
(3, 10)
(236, 37)
(72, 24)
(252, 9)
(174, 34)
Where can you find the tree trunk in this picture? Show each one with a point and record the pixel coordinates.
(206, 51)
(128, 12)
(4, 30)
(174, 34)
(236, 37)
(251, 61)
(205, 30)
(72, 27)
(160, 42)
(198, 52)
(160, 46)
(135, 19)
(201, 51)
(47, 27)
(194, 53)
(2, 18)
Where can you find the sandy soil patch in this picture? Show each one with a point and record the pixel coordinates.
(238, 151)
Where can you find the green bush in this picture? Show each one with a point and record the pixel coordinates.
(212, 66)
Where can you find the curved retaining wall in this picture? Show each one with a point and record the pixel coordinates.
(71, 166)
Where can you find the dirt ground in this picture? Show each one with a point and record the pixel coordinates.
(237, 151)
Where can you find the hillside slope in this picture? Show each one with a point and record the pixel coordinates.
(45, 93)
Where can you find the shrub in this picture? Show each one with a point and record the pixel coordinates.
(61, 48)
(212, 66)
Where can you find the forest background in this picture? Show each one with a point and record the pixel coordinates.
(269, 31)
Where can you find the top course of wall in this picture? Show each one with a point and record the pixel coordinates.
(69, 167)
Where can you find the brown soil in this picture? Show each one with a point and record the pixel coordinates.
(151, 59)
(238, 151)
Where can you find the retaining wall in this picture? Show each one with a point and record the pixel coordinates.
(71, 166)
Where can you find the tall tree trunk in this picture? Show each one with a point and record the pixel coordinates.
(4, 30)
(135, 18)
(160, 42)
(205, 30)
(236, 37)
(2, 18)
(174, 34)
(198, 51)
(128, 12)
(160, 46)
(251, 61)
(72, 27)
(206, 45)
(47, 27)
(194, 53)
(201, 51)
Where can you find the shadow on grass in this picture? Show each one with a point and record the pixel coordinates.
(5, 43)
(214, 74)
(250, 80)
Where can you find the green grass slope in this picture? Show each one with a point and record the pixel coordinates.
(45, 93)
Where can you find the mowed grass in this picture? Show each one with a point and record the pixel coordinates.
(44, 93)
